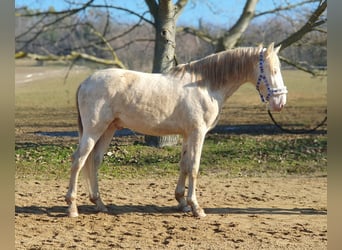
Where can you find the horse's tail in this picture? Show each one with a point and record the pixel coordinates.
(79, 120)
(80, 126)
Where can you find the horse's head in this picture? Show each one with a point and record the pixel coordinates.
(270, 81)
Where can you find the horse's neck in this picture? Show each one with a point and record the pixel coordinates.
(235, 81)
(231, 89)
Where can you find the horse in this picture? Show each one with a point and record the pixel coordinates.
(186, 100)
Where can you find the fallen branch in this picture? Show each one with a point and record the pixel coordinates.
(70, 57)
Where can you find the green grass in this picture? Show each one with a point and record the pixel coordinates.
(231, 156)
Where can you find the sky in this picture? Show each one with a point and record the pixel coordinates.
(221, 13)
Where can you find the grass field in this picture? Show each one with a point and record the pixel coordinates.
(45, 103)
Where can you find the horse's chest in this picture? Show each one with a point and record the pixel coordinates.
(204, 107)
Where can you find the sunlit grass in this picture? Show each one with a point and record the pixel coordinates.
(231, 156)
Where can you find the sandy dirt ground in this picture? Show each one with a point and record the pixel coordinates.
(242, 213)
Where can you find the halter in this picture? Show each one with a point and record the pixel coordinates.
(262, 78)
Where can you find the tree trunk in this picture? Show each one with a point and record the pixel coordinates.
(164, 54)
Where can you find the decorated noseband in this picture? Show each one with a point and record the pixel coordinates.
(262, 78)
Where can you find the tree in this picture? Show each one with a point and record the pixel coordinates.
(165, 15)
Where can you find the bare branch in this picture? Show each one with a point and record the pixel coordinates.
(128, 30)
(67, 12)
(300, 67)
(60, 16)
(180, 6)
(153, 7)
(30, 29)
(283, 8)
(101, 42)
(307, 27)
(105, 29)
(134, 41)
(230, 37)
(103, 39)
(321, 30)
(122, 9)
(199, 33)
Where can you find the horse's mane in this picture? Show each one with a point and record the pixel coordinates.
(217, 69)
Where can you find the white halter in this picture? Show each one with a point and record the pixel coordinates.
(262, 78)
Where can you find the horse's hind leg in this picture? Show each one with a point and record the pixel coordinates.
(79, 158)
(92, 165)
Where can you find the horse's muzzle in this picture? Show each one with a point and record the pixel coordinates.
(276, 108)
(277, 103)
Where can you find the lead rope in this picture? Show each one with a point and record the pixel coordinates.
(297, 131)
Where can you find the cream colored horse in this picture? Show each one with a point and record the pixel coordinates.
(186, 101)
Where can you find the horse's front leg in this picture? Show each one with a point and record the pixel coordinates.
(180, 189)
(71, 195)
(195, 144)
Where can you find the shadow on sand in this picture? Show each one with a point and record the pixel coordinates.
(60, 211)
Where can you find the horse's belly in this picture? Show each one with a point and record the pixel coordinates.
(150, 126)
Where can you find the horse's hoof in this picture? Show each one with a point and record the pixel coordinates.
(73, 214)
(72, 211)
(102, 209)
(199, 213)
(184, 209)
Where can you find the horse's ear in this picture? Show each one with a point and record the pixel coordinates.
(260, 46)
(270, 48)
(277, 49)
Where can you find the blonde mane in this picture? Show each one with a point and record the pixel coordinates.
(218, 69)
